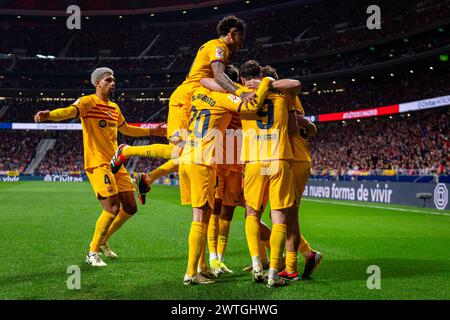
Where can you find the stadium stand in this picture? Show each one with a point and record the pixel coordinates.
(342, 65)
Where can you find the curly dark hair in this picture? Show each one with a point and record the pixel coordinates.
(232, 72)
(226, 24)
(269, 71)
(250, 70)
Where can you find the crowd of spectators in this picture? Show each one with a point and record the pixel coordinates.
(342, 96)
(17, 149)
(140, 72)
(411, 144)
(322, 26)
(66, 156)
(23, 109)
(382, 92)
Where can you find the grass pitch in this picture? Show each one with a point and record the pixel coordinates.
(47, 227)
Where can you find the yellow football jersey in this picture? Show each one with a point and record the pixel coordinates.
(100, 121)
(211, 114)
(299, 141)
(232, 137)
(265, 133)
(210, 52)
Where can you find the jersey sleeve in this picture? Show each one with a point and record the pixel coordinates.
(121, 120)
(83, 105)
(229, 101)
(216, 53)
(298, 105)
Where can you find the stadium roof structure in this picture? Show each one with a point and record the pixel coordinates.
(133, 7)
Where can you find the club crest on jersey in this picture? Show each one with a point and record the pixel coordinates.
(102, 123)
(219, 52)
(234, 98)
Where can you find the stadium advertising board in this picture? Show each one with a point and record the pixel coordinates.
(412, 194)
(47, 178)
(356, 114)
(61, 178)
(425, 104)
(46, 126)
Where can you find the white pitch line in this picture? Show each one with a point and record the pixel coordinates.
(377, 207)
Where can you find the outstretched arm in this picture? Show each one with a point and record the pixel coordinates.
(134, 131)
(59, 114)
(290, 85)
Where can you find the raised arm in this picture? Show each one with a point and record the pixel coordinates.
(290, 85)
(235, 104)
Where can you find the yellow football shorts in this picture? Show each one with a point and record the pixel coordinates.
(106, 184)
(229, 187)
(272, 177)
(300, 173)
(180, 111)
(197, 185)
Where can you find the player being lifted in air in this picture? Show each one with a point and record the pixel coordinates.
(209, 62)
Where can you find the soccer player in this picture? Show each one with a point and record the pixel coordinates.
(209, 62)
(228, 195)
(210, 114)
(301, 167)
(228, 191)
(101, 119)
(267, 153)
(233, 188)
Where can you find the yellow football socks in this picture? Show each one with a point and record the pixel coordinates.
(304, 247)
(101, 229)
(156, 150)
(224, 232)
(277, 241)
(202, 265)
(213, 234)
(252, 233)
(291, 261)
(197, 237)
(118, 221)
(162, 170)
(263, 252)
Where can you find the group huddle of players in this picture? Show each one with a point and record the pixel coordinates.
(216, 104)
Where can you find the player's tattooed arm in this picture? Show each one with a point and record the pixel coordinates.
(225, 82)
(221, 78)
(211, 84)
